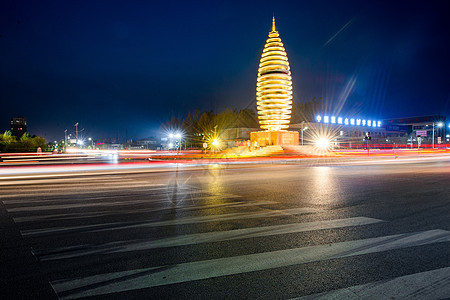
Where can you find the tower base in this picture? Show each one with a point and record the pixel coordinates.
(268, 138)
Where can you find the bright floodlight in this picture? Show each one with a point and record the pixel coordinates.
(178, 135)
(215, 142)
(171, 135)
(440, 124)
(323, 143)
(170, 145)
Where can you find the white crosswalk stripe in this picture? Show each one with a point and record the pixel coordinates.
(134, 211)
(208, 237)
(433, 284)
(179, 221)
(96, 204)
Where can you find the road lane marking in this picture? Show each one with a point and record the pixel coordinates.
(170, 274)
(162, 199)
(198, 238)
(433, 284)
(67, 190)
(83, 215)
(78, 205)
(220, 218)
(72, 180)
(179, 221)
(156, 196)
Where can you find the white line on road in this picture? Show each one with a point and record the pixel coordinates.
(170, 274)
(430, 285)
(163, 198)
(142, 210)
(78, 205)
(208, 237)
(179, 221)
(220, 218)
(59, 180)
(39, 193)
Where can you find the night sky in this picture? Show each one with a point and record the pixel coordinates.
(124, 67)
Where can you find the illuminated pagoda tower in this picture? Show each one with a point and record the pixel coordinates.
(274, 95)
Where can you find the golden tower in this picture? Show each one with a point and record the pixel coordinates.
(274, 85)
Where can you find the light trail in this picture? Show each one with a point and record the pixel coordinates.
(28, 172)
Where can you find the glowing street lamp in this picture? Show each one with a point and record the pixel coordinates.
(175, 137)
(303, 129)
(322, 143)
(439, 124)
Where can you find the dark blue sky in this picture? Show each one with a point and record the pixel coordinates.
(127, 66)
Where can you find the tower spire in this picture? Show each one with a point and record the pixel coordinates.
(273, 23)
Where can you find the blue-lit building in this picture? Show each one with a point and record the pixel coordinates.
(350, 131)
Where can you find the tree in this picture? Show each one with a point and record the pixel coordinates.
(7, 137)
(26, 143)
(8, 143)
(39, 142)
(307, 111)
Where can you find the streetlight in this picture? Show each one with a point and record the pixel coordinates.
(65, 139)
(439, 124)
(303, 129)
(178, 140)
(76, 131)
(177, 136)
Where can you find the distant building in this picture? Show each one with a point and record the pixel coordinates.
(419, 126)
(18, 126)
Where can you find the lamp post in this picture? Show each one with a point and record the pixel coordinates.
(65, 139)
(439, 124)
(303, 129)
(76, 131)
(178, 140)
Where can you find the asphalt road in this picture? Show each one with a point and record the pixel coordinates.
(357, 230)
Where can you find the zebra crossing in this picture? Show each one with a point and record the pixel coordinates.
(77, 220)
